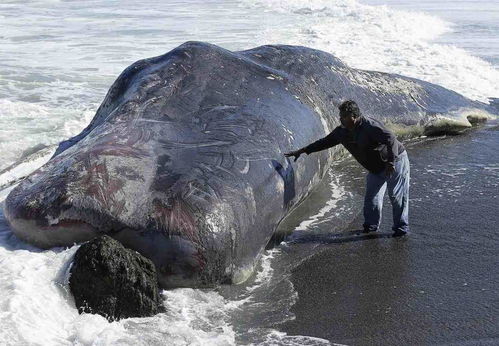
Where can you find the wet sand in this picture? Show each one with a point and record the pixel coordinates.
(438, 285)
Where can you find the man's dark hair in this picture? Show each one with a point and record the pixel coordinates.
(350, 107)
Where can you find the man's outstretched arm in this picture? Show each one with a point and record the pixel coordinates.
(329, 141)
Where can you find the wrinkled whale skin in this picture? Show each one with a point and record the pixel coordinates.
(183, 161)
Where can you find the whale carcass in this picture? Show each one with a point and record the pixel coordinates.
(183, 161)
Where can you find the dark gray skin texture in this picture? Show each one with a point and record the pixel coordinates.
(183, 161)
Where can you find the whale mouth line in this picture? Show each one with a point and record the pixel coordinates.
(66, 223)
(69, 222)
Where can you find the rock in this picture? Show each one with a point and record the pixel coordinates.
(113, 281)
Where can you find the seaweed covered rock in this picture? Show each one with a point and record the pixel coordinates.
(113, 281)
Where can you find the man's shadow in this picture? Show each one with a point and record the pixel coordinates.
(335, 238)
(306, 237)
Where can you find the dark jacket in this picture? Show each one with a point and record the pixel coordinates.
(370, 143)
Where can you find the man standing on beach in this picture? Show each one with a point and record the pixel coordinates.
(377, 150)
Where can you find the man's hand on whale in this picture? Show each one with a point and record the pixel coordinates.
(377, 149)
(295, 153)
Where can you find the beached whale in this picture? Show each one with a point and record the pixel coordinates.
(183, 161)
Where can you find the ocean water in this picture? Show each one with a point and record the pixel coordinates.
(57, 61)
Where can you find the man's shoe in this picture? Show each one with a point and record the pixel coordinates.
(399, 233)
(370, 229)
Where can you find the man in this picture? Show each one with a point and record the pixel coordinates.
(377, 150)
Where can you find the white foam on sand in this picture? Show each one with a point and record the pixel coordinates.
(338, 193)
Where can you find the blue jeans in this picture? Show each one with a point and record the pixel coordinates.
(398, 190)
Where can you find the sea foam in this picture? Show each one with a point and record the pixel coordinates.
(380, 38)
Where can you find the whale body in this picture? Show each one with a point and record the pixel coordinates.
(183, 161)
